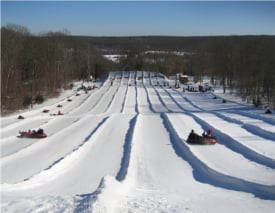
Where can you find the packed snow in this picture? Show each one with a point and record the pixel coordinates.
(121, 147)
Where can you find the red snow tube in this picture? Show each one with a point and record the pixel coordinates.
(43, 135)
(27, 134)
(24, 134)
(209, 140)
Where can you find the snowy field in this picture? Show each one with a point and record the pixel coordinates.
(122, 148)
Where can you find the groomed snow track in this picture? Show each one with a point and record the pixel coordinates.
(122, 148)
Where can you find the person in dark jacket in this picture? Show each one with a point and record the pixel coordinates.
(193, 136)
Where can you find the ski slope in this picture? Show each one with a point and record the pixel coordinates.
(122, 148)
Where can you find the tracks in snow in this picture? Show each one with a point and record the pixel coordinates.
(98, 152)
(106, 133)
(202, 172)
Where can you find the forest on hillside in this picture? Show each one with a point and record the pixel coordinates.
(35, 67)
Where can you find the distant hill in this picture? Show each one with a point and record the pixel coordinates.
(34, 68)
(165, 43)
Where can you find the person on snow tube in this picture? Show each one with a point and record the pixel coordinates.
(32, 134)
(193, 137)
(207, 134)
(208, 138)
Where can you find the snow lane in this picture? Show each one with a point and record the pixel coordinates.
(236, 146)
(68, 106)
(23, 125)
(257, 144)
(205, 174)
(72, 175)
(133, 76)
(255, 126)
(8, 121)
(150, 169)
(265, 179)
(121, 148)
(158, 180)
(37, 109)
(111, 76)
(130, 103)
(142, 101)
(211, 155)
(105, 101)
(257, 114)
(90, 102)
(46, 151)
(53, 109)
(12, 144)
(154, 170)
(155, 101)
(248, 122)
(116, 105)
(167, 100)
(199, 100)
(180, 99)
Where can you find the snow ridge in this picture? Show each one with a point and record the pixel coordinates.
(148, 99)
(124, 99)
(127, 150)
(229, 141)
(236, 146)
(249, 127)
(122, 148)
(205, 174)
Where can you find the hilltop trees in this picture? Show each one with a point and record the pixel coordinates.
(246, 64)
(242, 63)
(36, 67)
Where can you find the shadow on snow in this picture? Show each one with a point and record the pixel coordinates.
(207, 175)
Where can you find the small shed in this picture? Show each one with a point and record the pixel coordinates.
(182, 78)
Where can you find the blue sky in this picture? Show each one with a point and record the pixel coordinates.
(124, 18)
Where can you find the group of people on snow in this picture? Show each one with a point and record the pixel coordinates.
(31, 132)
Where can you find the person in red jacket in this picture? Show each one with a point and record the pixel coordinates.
(208, 133)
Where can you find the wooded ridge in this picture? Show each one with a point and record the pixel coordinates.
(35, 67)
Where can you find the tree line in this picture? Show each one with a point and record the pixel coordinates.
(35, 67)
(243, 64)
